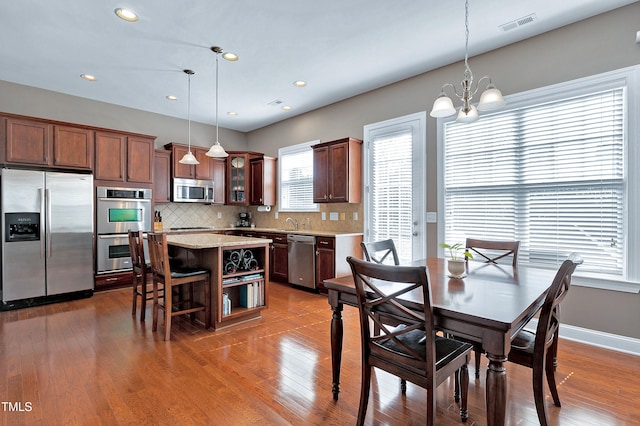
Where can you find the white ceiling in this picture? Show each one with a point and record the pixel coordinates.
(340, 47)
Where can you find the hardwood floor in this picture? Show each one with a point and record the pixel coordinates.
(90, 362)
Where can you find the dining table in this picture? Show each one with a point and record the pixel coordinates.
(489, 304)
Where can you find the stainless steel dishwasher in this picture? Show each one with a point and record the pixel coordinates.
(302, 260)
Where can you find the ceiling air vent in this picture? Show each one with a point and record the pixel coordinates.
(518, 22)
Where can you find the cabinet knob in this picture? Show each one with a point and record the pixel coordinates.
(325, 196)
(330, 196)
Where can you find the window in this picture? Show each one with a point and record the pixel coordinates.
(552, 171)
(295, 164)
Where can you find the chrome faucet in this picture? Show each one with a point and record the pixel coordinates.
(293, 221)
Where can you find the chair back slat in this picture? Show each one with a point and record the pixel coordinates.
(158, 254)
(492, 251)
(136, 250)
(383, 252)
(549, 319)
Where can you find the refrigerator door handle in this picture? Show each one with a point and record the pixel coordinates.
(48, 222)
(42, 219)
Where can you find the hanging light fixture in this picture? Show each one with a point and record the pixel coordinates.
(189, 158)
(490, 99)
(216, 149)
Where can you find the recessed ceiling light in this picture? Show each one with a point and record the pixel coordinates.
(232, 113)
(88, 77)
(126, 14)
(287, 107)
(230, 56)
(172, 98)
(299, 83)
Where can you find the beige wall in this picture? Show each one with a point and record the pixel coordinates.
(596, 45)
(603, 43)
(24, 100)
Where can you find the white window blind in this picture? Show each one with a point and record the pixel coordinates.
(550, 175)
(391, 190)
(296, 178)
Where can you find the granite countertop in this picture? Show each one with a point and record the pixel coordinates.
(206, 229)
(205, 240)
(301, 232)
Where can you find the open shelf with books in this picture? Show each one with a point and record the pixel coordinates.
(243, 287)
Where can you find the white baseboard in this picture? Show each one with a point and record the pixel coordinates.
(596, 338)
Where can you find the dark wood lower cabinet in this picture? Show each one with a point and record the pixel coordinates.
(325, 262)
(279, 259)
(111, 281)
(331, 256)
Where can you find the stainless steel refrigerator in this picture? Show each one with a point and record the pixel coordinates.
(47, 234)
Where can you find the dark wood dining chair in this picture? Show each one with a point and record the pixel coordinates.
(489, 251)
(537, 350)
(141, 270)
(172, 278)
(405, 344)
(383, 252)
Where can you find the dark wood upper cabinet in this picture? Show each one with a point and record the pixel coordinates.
(39, 143)
(251, 179)
(140, 159)
(162, 176)
(73, 147)
(110, 156)
(28, 142)
(202, 171)
(337, 171)
(123, 158)
(219, 173)
(262, 190)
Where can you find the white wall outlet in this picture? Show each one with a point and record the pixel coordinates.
(276, 214)
(432, 217)
(333, 215)
(324, 215)
(219, 215)
(355, 215)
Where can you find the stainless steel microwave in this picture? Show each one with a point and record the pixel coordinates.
(192, 191)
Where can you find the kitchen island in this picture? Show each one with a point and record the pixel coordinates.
(239, 267)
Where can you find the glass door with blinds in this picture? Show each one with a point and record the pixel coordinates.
(395, 182)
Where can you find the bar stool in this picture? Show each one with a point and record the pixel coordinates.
(141, 270)
(173, 278)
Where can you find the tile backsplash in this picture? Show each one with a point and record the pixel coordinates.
(178, 215)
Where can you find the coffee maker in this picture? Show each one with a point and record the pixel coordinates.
(245, 219)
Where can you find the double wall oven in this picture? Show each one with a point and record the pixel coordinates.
(119, 210)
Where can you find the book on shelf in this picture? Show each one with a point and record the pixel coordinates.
(251, 277)
(226, 304)
(252, 295)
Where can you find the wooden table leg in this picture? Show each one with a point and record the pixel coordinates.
(336, 342)
(496, 393)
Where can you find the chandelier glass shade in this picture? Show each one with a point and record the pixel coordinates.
(491, 99)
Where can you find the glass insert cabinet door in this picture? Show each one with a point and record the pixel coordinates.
(237, 179)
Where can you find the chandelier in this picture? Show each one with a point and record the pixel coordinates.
(189, 158)
(490, 99)
(216, 149)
